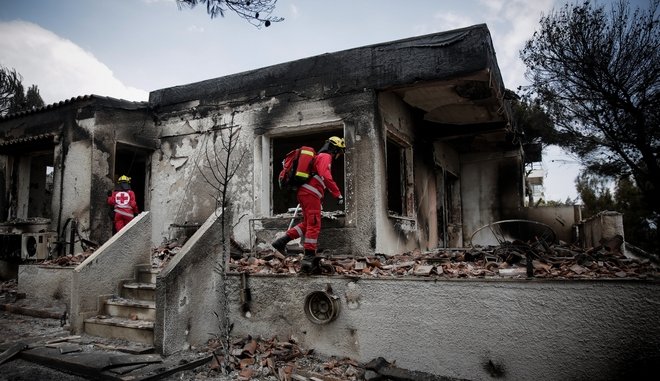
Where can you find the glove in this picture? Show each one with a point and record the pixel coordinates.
(340, 201)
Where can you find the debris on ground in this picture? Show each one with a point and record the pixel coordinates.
(31, 344)
(163, 254)
(68, 260)
(8, 286)
(509, 260)
(257, 358)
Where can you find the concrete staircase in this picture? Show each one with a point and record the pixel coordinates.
(131, 315)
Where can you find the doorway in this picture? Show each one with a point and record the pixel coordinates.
(134, 162)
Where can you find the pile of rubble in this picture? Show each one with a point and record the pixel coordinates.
(271, 359)
(160, 256)
(8, 288)
(516, 259)
(163, 254)
(250, 358)
(68, 260)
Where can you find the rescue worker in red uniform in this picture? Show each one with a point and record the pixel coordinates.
(310, 196)
(123, 201)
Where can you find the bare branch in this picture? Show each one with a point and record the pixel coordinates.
(256, 12)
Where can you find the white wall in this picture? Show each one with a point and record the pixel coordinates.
(189, 294)
(46, 283)
(532, 330)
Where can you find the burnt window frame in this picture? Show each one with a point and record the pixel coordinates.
(281, 200)
(399, 164)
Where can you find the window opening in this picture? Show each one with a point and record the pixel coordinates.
(284, 199)
(450, 210)
(41, 185)
(395, 178)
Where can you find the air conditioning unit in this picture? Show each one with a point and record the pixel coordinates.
(36, 246)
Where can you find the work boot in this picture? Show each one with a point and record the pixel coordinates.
(280, 244)
(309, 262)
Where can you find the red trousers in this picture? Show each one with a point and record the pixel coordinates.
(310, 227)
(121, 221)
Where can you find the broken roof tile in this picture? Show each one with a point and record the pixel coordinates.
(507, 260)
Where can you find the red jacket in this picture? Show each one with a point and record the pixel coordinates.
(124, 202)
(322, 178)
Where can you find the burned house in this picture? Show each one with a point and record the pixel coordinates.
(57, 165)
(432, 156)
(431, 152)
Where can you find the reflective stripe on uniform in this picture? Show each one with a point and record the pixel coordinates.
(311, 240)
(313, 190)
(297, 229)
(320, 180)
(123, 213)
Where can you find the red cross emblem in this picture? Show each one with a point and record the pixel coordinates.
(122, 198)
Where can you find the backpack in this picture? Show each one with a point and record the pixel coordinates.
(296, 167)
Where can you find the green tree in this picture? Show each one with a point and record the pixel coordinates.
(597, 74)
(33, 98)
(639, 227)
(534, 123)
(256, 12)
(638, 224)
(13, 97)
(595, 194)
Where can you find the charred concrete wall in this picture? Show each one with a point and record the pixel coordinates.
(192, 133)
(563, 219)
(416, 225)
(491, 188)
(79, 136)
(109, 128)
(514, 330)
(188, 293)
(20, 138)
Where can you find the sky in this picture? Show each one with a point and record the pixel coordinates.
(127, 48)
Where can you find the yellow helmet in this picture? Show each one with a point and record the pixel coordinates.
(337, 142)
(124, 179)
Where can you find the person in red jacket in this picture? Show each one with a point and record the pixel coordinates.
(310, 196)
(123, 201)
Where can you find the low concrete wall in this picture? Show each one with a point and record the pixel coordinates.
(103, 272)
(188, 294)
(562, 219)
(470, 329)
(604, 225)
(48, 283)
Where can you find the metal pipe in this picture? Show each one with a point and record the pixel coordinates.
(295, 212)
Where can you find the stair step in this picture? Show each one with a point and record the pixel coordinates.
(139, 291)
(141, 285)
(129, 308)
(140, 331)
(147, 275)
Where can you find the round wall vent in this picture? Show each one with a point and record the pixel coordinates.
(321, 307)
